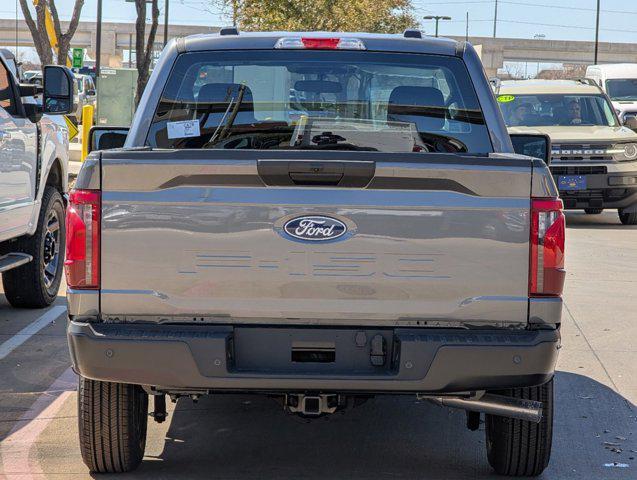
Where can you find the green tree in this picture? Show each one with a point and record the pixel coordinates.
(382, 16)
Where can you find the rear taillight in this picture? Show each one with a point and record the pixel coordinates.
(82, 264)
(548, 232)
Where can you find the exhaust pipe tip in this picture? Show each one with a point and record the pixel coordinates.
(500, 405)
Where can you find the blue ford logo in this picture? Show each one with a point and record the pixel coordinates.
(315, 228)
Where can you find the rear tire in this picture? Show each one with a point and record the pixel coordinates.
(627, 218)
(517, 447)
(113, 418)
(593, 211)
(36, 284)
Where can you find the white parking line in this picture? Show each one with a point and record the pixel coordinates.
(27, 332)
(16, 461)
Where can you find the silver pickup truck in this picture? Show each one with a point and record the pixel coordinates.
(320, 218)
(33, 182)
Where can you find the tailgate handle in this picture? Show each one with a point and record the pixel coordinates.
(312, 173)
(316, 178)
(316, 173)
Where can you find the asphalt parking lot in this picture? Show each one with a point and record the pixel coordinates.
(595, 432)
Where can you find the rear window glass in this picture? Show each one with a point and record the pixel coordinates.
(319, 100)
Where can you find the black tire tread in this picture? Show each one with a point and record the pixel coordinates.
(628, 218)
(593, 211)
(112, 421)
(517, 447)
(24, 286)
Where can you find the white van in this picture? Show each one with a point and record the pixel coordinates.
(619, 82)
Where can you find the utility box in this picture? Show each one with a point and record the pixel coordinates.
(116, 96)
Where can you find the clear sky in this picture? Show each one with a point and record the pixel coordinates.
(557, 19)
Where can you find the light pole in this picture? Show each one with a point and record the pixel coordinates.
(16, 30)
(166, 23)
(98, 42)
(466, 33)
(538, 36)
(597, 34)
(437, 18)
(495, 18)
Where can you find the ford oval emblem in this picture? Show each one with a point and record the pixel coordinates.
(315, 228)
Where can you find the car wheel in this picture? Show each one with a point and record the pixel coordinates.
(627, 218)
(518, 447)
(112, 418)
(36, 284)
(593, 211)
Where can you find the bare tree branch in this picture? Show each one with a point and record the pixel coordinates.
(75, 19)
(143, 47)
(153, 31)
(64, 39)
(27, 16)
(38, 31)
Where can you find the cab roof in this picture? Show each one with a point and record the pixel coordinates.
(547, 86)
(615, 70)
(373, 42)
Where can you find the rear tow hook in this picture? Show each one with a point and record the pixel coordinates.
(311, 405)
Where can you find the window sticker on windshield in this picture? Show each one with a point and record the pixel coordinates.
(183, 129)
(505, 98)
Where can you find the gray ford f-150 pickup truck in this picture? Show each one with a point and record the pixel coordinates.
(321, 218)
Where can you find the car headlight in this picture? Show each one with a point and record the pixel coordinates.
(624, 152)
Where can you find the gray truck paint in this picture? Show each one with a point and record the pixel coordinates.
(194, 267)
(197, 357)
(416, 255)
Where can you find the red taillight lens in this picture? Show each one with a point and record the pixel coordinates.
(82, 263)
(321, 43)
(548, 234)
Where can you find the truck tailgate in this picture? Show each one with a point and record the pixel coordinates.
(201, 236)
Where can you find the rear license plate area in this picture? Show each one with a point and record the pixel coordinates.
(313, 351)
(571, 182)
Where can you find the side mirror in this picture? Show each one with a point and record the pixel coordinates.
(532, 145)
(59, 90)
(631, 122)
(106, 138)
(90, 92)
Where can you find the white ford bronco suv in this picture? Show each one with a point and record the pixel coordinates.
(319, 217)
(33, 182)
(594, 157)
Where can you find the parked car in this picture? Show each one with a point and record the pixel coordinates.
(33, 182)
(594, 157)
(269, 242)
(29, 74)
(33, 77)
(619, 82)
(86, 95)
